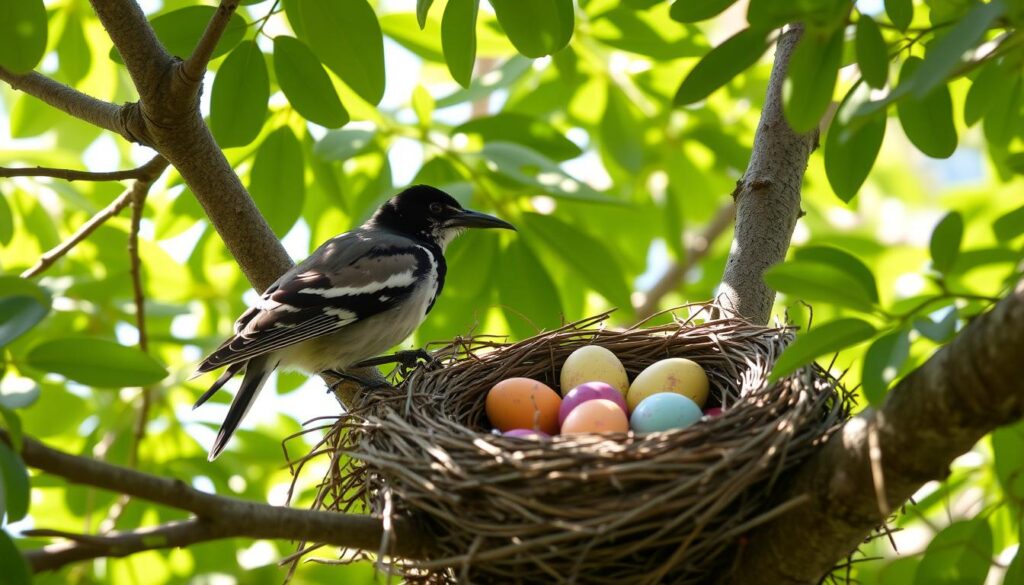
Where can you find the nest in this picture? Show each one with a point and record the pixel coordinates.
(670, 507)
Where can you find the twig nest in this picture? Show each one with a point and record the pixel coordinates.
(620, 507)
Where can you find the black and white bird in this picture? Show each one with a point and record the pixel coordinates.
(355, 297)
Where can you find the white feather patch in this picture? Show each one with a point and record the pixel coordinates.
(395, 280)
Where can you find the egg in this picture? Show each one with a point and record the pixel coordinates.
(712, 412)
(596, 416)
(589, 391)
(664, 411)
(593, 363)
(676, 375)
(527, 434)
(522, 403)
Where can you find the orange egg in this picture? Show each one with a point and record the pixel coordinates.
(522, 403)
(596, 416)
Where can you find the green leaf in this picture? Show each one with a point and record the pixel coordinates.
(622, 128)
(401, 27)
(305, 83)
(343, 144)
(823, 339)
(960, 553)
(1009, 225)
(22, 34)
(721, 65)
(843, 261)
(6, 222)
(882, 364)
(872, 52)
(422, 10)
(814, 281)
(945, 242)
(180, 30)
(13, 286)
(1003, 117)
(851, 150)
(536, 27)
(1007, 451)
(529, 167)
(277, 180)
(238, 103)
(697, 10)
(769, 14)
(15, 484)
(813, 70)
(346, 36)
(521, 129)
(458, 38)
(901, 12)
(945, 53)
(483, 86)
(12, 422)
(927, 121)
(939, 331)
(989, 83)
(73, 50)
(645, 34)
(1015, 572)
(583, 254)
(16, 571)
(18, 314)
(528, 296)
(96, 362)
(423, 104)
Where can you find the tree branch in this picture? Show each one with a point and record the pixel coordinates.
(145, 58)
(120, 119)
(195, 66)
(936, 413)
(72, 174)
(217, 516)
(147, 174)
(767, 198)
(700, 247)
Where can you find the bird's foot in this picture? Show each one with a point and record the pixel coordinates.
(408, 358)
(367, 383)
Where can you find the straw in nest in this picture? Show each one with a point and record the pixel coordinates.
(670, 507)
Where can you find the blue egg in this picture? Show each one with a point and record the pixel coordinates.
(664, 411)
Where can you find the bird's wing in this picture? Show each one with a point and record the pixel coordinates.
(350, 278)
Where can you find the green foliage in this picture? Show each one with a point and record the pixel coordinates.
(721, 65)
(927, 121)
(813, 71)
(872, 52)
(828, 338)
(16, 569)
(960, 553)
(458, 38)
(238, 104)
(15, 484)
(96, 362)
(945, 243)
(180, 30)
(536, 27)
(277, 181)
(306, 85)
(23, 34)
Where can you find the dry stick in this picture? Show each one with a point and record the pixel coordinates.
(147, 173)
(217, 516)
(673, 277)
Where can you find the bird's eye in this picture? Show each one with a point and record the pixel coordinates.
(436, 207)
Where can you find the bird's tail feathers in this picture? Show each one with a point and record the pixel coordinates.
(223, 379)
(257, 370)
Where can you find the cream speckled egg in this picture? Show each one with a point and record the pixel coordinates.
(677, 375)
(593, 363)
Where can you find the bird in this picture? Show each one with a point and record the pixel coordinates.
(356, 296)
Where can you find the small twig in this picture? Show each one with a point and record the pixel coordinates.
(71, 174)
(148, 173)
(195, 66)
(266, 18)
(696, 252)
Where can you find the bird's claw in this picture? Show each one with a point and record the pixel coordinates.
(367, 383)
(408, 358)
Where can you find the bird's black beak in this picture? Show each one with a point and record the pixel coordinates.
(475, 219)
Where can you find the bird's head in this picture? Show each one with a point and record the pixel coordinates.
(431, 214)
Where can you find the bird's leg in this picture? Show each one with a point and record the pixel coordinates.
(407, 357)
(368, 383)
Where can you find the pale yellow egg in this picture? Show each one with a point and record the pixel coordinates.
(677, 375)
(593, 363)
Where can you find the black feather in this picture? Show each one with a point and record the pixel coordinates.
(256, 374)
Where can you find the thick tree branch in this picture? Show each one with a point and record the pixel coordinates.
(145, 58)
(936, 413)
(217, 516)
(146, 175)
(696, 252)
(123, 120)
(767, 198)
(195, 66)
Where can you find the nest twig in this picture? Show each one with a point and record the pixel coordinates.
(671, 507)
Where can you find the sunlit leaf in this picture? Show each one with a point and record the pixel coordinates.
(422, 10)
(18, 314)
(343, 144)
(721, 65)
(238, 102)
(346, 36)
(1003, 117)
(73, 50)
(823, 339)
(882, 364)
(16, 570)
(938, 331)
(6, 222)
(698, 10)
(813, 70)
(15, 484)
(526, 166)
(401, 27)
(945, 53)
(536, 27)
(960, 553)
(305, 83)
(844, 261)
(23, 34)
(521, 129)
(646, 34)
(945, 241)
(900, 12)
(989, 83)
(458, 38)
(529, 298)
(872, 52)
(814, 281)
(851, 150)
(12, 422)
(276, 181)
(1009, 225)
(483, 86)
(180, 30)
(1007, 451)
(96, 362)
(622, 129)
(928, 121)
